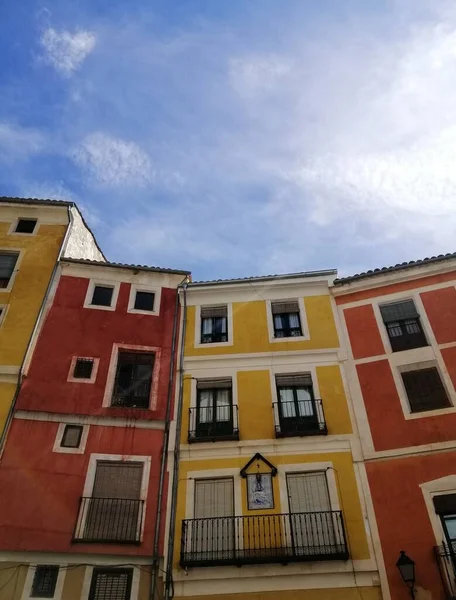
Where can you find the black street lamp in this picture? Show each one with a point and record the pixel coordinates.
(406, 568)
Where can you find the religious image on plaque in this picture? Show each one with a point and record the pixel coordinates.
(259, 491)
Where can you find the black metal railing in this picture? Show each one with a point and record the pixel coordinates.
(209, 424)
(299, 418)
(446, 560)
(213, 338)
(281, 538)
(286, 332)
(110, 520)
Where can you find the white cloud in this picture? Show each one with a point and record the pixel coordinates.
(66, 51)
(253, 74)
(18, 142)
(112, 161)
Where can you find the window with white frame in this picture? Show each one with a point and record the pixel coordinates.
(26, 226)
(425, 390)
(133, 379)
(214, 324)
(44, 581)
(111, 584)
(8, 262)
(102, 295)
(403, 325)
(286, 319)
(114, 511)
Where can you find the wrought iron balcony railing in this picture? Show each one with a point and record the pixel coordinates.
(446, 560)
(109, 520)
(209, 424)
(303, 417)
(281, 538)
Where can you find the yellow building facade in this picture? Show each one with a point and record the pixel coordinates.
(269, 493)
(33, 235)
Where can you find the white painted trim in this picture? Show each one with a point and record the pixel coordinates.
(14, 224)
(229, 321)
(403, 398)
(54, 558)
(113, 367)
(410, 451)
(27, 589)
(87, 420)
(115, 285)
(82, 444)
(4, 310)
(258, 360)
(93, 377)
(90, 479)
(156, 290)
(213, 474)
(437, 487)
(21, 252)
(88, 580)
(302, 316)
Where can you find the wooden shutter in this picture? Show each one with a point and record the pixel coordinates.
(294, 380)
(425, 389)
(214, 498)
(118, 480)
(280, 308)
(211, 312)
(397, 311)
(308, 492)
(445, 504)
(212, 384)
(111, 584)
(7, 264)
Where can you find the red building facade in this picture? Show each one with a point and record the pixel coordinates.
(400, 324)
(82, 475)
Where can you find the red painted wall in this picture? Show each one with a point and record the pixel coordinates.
(71, 330)
(40, 505)
(41, 489)
(388, 426)
(440, 308)
(362, 327)
(403, 520)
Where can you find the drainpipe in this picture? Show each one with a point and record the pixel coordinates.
(12, 408)
(169, 588)
(164, 454)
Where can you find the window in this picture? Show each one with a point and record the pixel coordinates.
(445, 507)
(144, 301)
(133, 379)
(298, 411)
(72, 436)
(114, 511)
(102, 295)
(403, 325)
(25, 226)
(83, 368)
(214, 408)
(111, 584)
(44, 581)
(286, 319)
(8, 262)
(214, 322)
(425, 390)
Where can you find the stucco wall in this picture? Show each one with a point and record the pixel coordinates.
(81, 242)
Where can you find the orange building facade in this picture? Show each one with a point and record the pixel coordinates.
(400, 327)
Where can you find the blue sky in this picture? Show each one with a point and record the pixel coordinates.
(241, 137)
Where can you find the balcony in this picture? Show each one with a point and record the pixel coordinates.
(302, 418)
(446, 560)
(211, 425)
(109, 520)
(281, 538)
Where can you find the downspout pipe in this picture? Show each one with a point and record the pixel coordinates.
(169, 588)
(164, 453)
(9, 417)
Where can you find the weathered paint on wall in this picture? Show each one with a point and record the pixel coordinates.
(403, 519)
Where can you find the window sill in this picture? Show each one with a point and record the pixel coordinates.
(291, 338)
(213, 344)
(430, 413)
